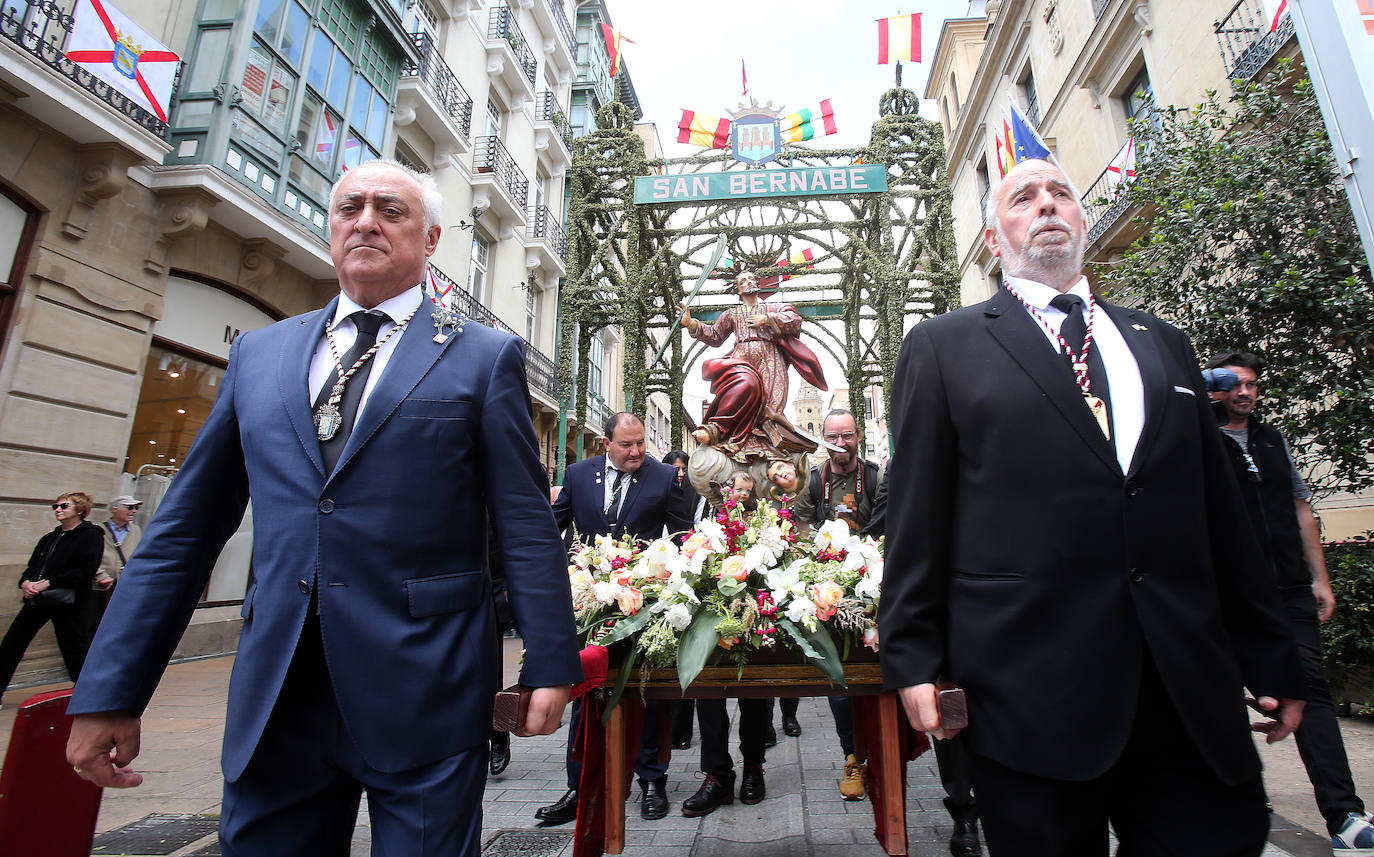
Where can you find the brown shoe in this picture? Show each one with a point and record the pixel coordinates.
(852, 785)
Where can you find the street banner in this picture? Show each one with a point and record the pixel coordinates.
(755, 184)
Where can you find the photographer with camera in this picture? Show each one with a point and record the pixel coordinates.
(1279, 504)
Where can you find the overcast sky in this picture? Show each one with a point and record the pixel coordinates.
(796, 53)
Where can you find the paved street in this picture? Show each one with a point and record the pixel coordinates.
(803, 815)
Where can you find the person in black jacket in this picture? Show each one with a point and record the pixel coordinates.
(66, 559)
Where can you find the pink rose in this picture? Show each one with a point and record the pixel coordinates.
(622, 577)
(827, 595)
(735, 568)
(695, 542)
(871, 638)
(630, 600)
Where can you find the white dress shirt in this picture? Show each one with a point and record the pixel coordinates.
(341, 326)
(1123, 373)
(608, 483)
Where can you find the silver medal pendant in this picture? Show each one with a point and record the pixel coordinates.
(327, 421)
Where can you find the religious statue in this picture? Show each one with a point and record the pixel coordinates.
(745, 422)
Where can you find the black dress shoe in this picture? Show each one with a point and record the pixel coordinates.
(770, 738)
(713, 793)
(964, 841)
(790, 727)
(654, 803)
(751, 789)
(560, 812)
(682, 744)
(500, 752)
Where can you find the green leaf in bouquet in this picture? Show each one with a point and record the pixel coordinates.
(698, 642)
(626, 667)
(627, 626)
(818, 648)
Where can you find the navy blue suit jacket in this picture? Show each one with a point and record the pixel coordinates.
(652, 501)
(394, 544)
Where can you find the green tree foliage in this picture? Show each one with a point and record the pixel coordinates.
(1251, 245)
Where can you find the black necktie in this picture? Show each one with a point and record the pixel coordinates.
(368, 323)
(1074, 330)
(613, 510)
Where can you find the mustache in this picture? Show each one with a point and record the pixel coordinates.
(1049, 221)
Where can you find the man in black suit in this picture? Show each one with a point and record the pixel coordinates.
(1062, 544)
(621, 493)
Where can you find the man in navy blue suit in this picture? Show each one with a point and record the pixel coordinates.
(368, 657)
(623, 492)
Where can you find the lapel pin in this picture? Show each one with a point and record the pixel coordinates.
(1140, 327)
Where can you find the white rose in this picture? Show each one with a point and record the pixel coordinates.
(605, 591)
(802, 610)
(679, 616)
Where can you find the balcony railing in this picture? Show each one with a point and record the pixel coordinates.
(543, 226)
(447, 90)
(41, 30)
(565, 30)
(543, 372)
(501, 25)
(1249, 40)
(491, 156)
(549, 111)
(1104, 203)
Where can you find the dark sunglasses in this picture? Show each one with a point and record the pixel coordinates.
(56, 506)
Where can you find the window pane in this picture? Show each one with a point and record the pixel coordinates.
(324, 141)
(210, 53)
(376, 123)
(357, 114)
(268, 21)
(279, 99)
(293, 35)
(254, 86)
(194, 114)
(338, 79)
(309, 181)
(353, 151)
(319, 60)
(218, 10)
(305, 129)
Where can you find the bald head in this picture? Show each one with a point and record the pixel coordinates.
(1035, 225)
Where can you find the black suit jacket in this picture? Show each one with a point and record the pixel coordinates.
(1024, 565)
(653, 500)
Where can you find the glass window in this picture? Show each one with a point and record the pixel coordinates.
(211, 49)
(477, 275)
(353, 151)
(492, 124)
(177, 394)
(362, 92)
(219, 10)
(266, 89)
(376, 120)
(268, 20)
(531, 310)
(338, 79)
(293, 34)
(194, 114)
(318, 73)
(1135, 95)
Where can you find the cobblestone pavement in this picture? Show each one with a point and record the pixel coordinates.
(803, 815)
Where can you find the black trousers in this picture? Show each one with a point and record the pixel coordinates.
(647, 766)
(840, 708)
(1161, 797)
(70, 626)
(1319, 737)
(754, 715)
(952, 758)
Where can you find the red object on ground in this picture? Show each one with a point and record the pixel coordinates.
(46, 810)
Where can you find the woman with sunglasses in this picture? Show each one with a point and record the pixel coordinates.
(65, 559)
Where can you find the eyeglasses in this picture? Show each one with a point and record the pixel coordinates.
(56, 506)
(836, 438)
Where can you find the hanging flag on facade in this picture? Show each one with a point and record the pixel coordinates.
(324, 141)
(899, 38)
(1001, 148)
(698, 129)
(439, 290)
(809, 123)
(1024, 143)
(1122, 168)
(112, 47)
(614, 38)
(1274, 13)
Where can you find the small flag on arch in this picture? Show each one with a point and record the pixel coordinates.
(899, 38)
(698, 129)
(805, 257)
(613, 41)
(809, 123)
(109, 45)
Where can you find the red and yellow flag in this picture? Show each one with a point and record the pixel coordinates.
(899, 38)
(613, 40)
(698, 129)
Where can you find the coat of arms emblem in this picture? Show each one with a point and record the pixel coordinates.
(755, 137)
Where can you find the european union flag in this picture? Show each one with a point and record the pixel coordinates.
(1026, 144)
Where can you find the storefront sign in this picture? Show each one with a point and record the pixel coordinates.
(753, 184)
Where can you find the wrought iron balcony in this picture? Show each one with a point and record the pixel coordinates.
(436, 74)
(560, 21)
(1104, 203)
(40, 29)
(501, 25)
(492, 157)
(549, 111)
(1248, 39)
(544, 227)
(542, 372)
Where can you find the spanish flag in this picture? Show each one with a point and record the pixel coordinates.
(808, 123)
(698, 129)
(899, 38)
(801, 259)
(613, 40)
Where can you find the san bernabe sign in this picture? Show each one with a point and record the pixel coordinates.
(750, 184)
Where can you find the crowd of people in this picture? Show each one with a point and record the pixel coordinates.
(1044, 443)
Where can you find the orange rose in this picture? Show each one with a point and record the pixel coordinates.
(695, 542)
(630, 600)
(735, 568)
(827, 596)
